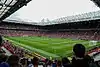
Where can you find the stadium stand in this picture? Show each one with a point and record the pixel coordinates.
(18, 54)
(85, 27)
(77, 30)
(88, 30)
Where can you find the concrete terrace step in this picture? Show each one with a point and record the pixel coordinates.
(7, 52)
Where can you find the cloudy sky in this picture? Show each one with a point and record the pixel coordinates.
(36, 10)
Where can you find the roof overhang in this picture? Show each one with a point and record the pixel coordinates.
(7, 7)
(97, 2)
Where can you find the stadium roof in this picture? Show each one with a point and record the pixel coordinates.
(80, 17)
(69, 19)
(97, 2)
(76, 18)
(7, 7)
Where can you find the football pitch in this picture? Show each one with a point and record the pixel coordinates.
(48, 47)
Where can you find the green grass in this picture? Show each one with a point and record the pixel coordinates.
(54, 47)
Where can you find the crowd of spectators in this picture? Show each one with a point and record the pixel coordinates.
(17, 59)
(14, 29)
(17, 26)
(86, 35)
(19, 33)
(13, 49)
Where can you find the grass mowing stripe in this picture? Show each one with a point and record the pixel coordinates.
(51, 50)
(60, 47)
(34, 49)
(31, 44)
(50, 43)
(47, 39)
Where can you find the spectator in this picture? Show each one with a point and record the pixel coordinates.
(79, 50)
(66, 62)
(98, 63)
(54, 63)
(3, 59)
(78, 60)
(90, 61)
(30, 63)
(46, 62)
(13, 61)
(35, 61)
(23, 62)
(59, 63)
(0, 42)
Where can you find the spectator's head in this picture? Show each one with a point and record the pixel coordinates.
(35, 61)
(79, 50)
(23, 61)
(0, 40)
(3, 58)
(46, 60)
(59, 63)
(65, 60)
(13, 60)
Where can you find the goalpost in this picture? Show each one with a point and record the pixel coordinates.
(92, 43)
